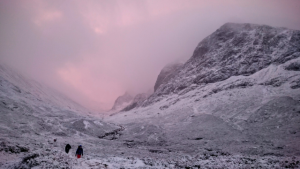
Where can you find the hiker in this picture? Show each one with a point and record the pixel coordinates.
(68, 147)
(79, 152)
(55, 143)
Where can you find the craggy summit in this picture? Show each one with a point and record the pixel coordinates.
(234, 49)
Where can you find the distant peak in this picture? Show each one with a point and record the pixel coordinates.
(237, 26)
(242, 26)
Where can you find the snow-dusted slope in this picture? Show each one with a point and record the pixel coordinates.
(238, 93)
(271, 95)
(32, 116)
(232, 50)
(122, 101)
(166, 74)
(137, 101)
(33, 92)
(234, 104)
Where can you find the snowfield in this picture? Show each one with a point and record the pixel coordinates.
(234, 104)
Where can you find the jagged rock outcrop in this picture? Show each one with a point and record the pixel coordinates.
(122, 101)
(166, 74)
(232, 50)
(295, 66)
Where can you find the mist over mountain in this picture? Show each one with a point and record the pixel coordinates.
(233, 50)
(21, 89)
(234, 104)
(238, 93)
(126, 102)
(122, 101)
(137, 101)
(166, 74)
(32, 115)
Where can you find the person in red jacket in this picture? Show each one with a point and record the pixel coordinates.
(79, 152)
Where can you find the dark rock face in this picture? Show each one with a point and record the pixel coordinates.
(122, 101)
(293, 66)
(29, 161)
(112, 135)
(295, 84)
(12, 148)
(166, 74)
(233, 49)
(130, 107)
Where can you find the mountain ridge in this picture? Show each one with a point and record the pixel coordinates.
(215, 58)
(241, 116)
(227, 101)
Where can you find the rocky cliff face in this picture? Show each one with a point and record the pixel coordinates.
(239, 92)
(232, 50)
(122, 101)
(166, 74)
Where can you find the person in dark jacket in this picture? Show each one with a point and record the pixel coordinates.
(68, 147)
(79, 152)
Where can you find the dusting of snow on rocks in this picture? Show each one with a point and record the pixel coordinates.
(234, 104)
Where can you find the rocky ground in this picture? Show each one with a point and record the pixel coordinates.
(49, 155)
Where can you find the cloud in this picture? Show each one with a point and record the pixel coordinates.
(82, 76)
(47, 16)
(103, 16)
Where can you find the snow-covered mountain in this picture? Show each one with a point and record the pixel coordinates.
(166, 74)
(122, 101)
(232, 50)
(126, 102)
(234, 104)
(32, 92)
(33, 115)
(137, 101)
(238, 94)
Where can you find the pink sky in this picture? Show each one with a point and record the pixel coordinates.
(94, 51)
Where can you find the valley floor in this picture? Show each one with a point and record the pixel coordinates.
(110, 154)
